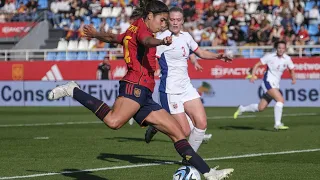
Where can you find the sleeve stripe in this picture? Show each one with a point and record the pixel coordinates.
(196, 49)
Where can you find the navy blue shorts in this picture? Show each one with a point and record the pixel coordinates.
(141, 95)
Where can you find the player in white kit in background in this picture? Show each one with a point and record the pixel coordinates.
(276, 62)
(177, 94)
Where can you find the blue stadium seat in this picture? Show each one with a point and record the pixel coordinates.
(82, 56)
(77, 23)
(87, 20)
(307, 52)
(96, 22)
(61, 56)
(93, 56)
(309, 5)
(257, 53)
(43, 4)
(315, 51)
(102, 54)
(313, 29)
(71, 56)
(314, 38)
(51, 56)
(244, 29)
(245, 53)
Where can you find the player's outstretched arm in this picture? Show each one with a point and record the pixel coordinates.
(153, 42)
(91, 32)
(210, 55)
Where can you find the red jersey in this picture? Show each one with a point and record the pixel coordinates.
(141, 60)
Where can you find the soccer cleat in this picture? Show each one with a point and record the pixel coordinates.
(237, 113)
(63, 90)
(150, 132)
(185, 162)
(207, 137)
(215, 174)
(281, 127)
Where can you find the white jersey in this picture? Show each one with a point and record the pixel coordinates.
(276, 66)
(173, 62)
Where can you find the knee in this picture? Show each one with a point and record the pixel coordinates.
(114, 123)
(201, 124)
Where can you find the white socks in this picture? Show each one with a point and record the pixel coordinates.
(249, 108)
(196, 138)
(278, 113)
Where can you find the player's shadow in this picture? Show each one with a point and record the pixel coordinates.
(132, 158)
(245, 128)
(81, 175)
(126, 139)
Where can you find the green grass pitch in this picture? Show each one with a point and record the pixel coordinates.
(40, 143)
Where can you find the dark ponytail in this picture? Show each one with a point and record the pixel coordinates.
(147, 6)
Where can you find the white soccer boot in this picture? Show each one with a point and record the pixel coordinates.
(63, 90)
(207, 137)
(215, 174)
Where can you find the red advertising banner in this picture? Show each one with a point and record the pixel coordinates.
(14, 29)
(306, 68)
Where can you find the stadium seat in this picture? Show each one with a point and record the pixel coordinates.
(314, 38)
(315, 51)
(106, 12)
(96, 22)
(257, 53)
(87, 20)
(245, 53)
(51, 56)
(62, 45)
(71, 56)
(313, 29)
(128, 10)
(307, 52)
(244, 29)
(93, 55)
(116, 11)
(61, 56)
(82, 56)
(102, 54)
(43, 4)
(83, 44)
(309, 5)
(73, 45)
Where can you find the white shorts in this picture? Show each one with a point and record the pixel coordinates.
(266, 85)
(173, 103)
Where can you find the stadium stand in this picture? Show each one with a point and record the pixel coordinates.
(215, 23)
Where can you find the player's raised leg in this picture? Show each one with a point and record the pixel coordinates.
(113, 118)
(169, 126)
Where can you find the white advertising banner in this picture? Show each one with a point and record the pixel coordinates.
(214, 93)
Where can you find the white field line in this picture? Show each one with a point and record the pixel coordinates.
(98, 122)
(161, 163)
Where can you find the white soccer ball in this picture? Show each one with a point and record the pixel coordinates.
(186, 173)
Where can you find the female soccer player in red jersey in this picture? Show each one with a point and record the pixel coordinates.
(136, 87)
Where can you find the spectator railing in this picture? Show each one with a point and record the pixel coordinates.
(115, 53)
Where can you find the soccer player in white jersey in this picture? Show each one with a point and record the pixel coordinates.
(177, 95)
(276, 63)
